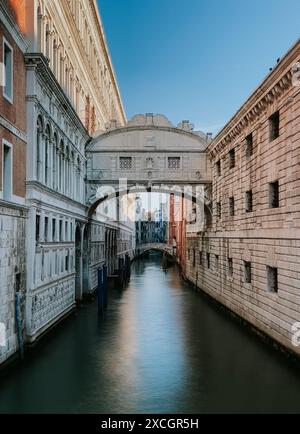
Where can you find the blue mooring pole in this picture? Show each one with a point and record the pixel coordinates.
(105, 286)
(100, 291)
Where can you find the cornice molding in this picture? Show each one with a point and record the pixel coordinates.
(13, 129)
(127, 128)
(38, 62)
(12, 28)
(101, 32)
(59, 196)
(270, 90)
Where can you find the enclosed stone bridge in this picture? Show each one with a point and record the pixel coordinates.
(162, 247)
(147, 154)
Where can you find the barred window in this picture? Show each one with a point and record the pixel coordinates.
(274, 194)
(272, 278)
(274, 126)
(248, 201)
(231, 157)
(231, 206)
(173, 162)
(125, 163)
(249, 145)
(217, 262)
(230, 266)
(247, 271)
(218, 167)
(208, 260)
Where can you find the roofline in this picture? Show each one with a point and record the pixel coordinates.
(148, 127)
(259, 91)
(98, 20)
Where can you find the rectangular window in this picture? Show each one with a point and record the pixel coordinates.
(231, 157)
(247, 271)
(8, 71)
(248, 201)
(231, 206)
(37, 227)
(60, 230)
(18, 282)
(66, 231)
(208, 260)
(7, 172)
(53, 229)
(272, 277)
(194, 257)
(230, 266)
(189, 256)
(46, 229)
(274, 194)
(249, 145)
(67, 261)
(125, 163)
(218, 167)
(217, 262)
(218, 209)
(173, 162)
(200, 258)
(274, 126)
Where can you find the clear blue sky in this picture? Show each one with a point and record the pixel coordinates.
(195, 59)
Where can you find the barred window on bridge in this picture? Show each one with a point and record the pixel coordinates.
(125, 163)
(173, 162)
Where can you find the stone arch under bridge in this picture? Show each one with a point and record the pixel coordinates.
(147, 154)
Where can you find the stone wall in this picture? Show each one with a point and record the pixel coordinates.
(12, 272)
(249, 258)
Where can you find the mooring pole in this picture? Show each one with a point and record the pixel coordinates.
(19, 323)
(105, 286)
(100, 291)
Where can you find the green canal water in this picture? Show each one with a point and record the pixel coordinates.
(159, 348)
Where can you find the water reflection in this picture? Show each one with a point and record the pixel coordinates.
(160, 347)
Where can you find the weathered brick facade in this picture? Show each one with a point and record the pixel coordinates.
(13, 212)
(250, 255)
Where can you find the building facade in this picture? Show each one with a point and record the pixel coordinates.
(249, 258)
(60, 90)
(71, 95)
(13, 209)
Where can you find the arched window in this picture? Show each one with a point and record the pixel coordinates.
(61, 73)
(67, 80)
(54, 162)
(39, 140)
(55, 57)
(47, 42)
(73, 174)
(78, 180)
(39, 30)
(47, 155)
(67, 171)
(61, 164)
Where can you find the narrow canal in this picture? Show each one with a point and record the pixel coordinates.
(161, 347)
